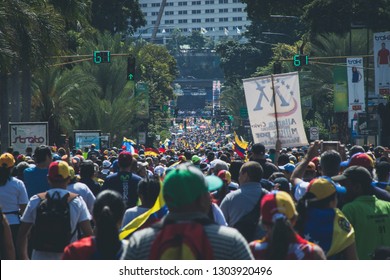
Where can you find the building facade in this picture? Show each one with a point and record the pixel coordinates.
(213, 18)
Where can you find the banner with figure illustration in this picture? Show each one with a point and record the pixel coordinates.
(356, 101)
(274, 109)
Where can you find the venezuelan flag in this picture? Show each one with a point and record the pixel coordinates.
(158, 209)
(151, 152)
(329, 229)
(200, 145)
(127, 145)
(240, 146)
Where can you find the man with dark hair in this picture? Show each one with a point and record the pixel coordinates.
(35, 178)
(369, 216)
(382, 169)
(58, 177)
(258, 155)
(125, 182)
(240, 202)
(87, 172)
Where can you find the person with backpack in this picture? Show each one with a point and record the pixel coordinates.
(241, 208)
(282, 242)
(105, 244)
(186, 232)
(56, 215)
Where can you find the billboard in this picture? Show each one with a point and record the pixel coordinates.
(28, 134)
(84, 138)
(356, 97)
(382, 63)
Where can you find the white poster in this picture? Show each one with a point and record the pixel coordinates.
(356, 100)
(382, 63)
(28, 134)
(86, 138)
(264, 116)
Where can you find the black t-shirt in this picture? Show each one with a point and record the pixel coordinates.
(268, 167)
(126, 184)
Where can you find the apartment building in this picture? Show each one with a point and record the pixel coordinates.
(213, 18)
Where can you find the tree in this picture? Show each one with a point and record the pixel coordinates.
(117, 16)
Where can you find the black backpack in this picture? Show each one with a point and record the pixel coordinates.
(52, 229)
(248, 223)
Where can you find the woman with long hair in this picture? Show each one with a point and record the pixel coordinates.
(321, 221)
(282, 242)
(108, 212)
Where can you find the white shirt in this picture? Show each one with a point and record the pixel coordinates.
(12, 194)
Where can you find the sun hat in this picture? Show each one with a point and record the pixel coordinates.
(186, 183)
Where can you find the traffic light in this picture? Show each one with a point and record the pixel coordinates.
(131, 68)
(277, 67)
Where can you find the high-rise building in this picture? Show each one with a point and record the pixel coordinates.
(213, 18)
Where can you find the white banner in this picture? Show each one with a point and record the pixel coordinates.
(356, 100)
(27, 134)
(263, 114)
(382, 63)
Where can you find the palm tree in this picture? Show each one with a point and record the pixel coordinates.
(61, 97)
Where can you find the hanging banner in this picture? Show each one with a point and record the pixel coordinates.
(274, 101)
(340, 103)
(356, 98)
(382, 63)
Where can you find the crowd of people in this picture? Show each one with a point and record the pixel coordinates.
(197, 202)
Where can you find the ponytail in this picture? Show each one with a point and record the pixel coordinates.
(282, 235)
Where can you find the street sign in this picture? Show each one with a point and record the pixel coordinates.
(244, 112)
(314, 133)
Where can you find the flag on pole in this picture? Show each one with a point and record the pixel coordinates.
(240, 146)
(226, 31)
(127, 145)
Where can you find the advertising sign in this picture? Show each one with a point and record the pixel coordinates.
(382, 63)
(85, 138)
(356, 100)
(28, 134)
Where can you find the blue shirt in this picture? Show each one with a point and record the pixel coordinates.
(35, 180)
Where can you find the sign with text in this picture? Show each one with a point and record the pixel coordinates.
(356, 101)
(28, 134)
(382, 63)
(85, 138)
(274, 101)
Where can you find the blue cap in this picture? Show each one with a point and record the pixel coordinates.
(289, 167)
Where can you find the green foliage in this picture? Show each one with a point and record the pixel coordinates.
(117, 16)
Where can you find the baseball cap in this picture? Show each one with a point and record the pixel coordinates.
(195, 159)
(225, 176)
(124, 159)
(283, 184)
(355, 173)
(7, 160)
(362, 159)
(289, 167)
(275, 205)
(258, 148)
(185, 184)
(159, 170)
(106, 163)
(324, 187)
(58, 171)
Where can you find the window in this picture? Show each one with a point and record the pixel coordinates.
(237, 10)
(169, 4)
(196, 3)
(169, 13)
(196, 20)
(154, 13)
(155, 4)
(223, 10)
(145, 14)
(236, 1)
(153, 22)
(210, 19)
(209, 11)
(209, 2)
(169, 21)
(223, 1)
(183, 21)
(183, 3)
(183, 12)
(224, 19)
(194, 12)
(237, 18)
(144, 5)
